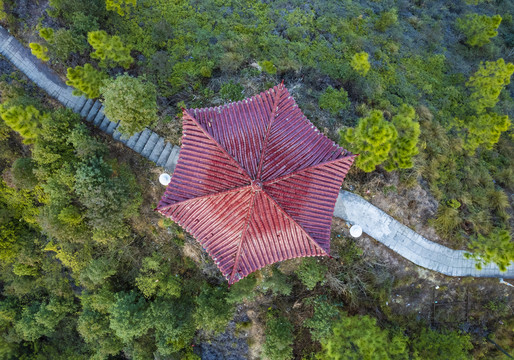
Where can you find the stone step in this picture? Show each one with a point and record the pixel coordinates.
(99, 117)
(105, 123)
(157, 150)
(172, 159)
(150, 144)
(94, 110)
(112, 126)
(133, 140)
(161, 161)
(79, 104)
(87, 106)
(141, 142)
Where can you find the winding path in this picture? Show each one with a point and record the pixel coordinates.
(349, 206)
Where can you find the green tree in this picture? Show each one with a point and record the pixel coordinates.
(386, 20)
(279, 338)
(497, 247)
(478, 29)
(360, 63)
(487, 83)
(23, 175)
(431, 344)
(129, 316)
(372, 139)
(484, 129)
(277, 283)
(25, 120)
(205, 316)
(109, 49)
(156, 278)
(320, 324)
(242, 290)
(268, 67)
(86, 80)
(311, 272)
(39, 51)
(334, 100)
(359, 337)
(47, 34)
(122, 7)
(405, 147)
(131, 100)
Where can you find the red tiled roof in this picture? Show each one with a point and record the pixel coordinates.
(255, 183)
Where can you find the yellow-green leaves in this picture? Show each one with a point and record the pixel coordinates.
(39, 51)
(109, 49)
(122, 7)
(360, 63)
(86, 80)
(479, 29)
(405, 146)
(24, 120)
(372, 139)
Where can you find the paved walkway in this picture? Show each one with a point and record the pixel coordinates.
(349, 207)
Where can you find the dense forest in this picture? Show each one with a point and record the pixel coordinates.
(420, 89)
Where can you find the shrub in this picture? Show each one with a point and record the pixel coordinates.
(109, 49)
(47, 34)
(22, 174)
(128, 315)
(431, 344)
(497, 247)
(372, 139)
(212, 312)
(320, 324)
(479, 29)
(86, 80)
(405, 147)
(232, 91)
(25, 120)
(311, 272)
(39, 51)
(122, 7)
(386, 20)
(156, 278)
(268, 67)
(279, 338)
(242, 290)
(360, 63)
(277, 283)
(334, 100)
(131, 100)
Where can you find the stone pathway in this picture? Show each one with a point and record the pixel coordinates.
(349, 207)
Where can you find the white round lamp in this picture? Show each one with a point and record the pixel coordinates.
(164, 179)
(355, 231)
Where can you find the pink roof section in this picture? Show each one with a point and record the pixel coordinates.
(255, 183)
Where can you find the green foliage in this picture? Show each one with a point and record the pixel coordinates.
(122, 7)
(320, 324)
(86, 80)
(334, 100)
(242, 290)
(22, 173)
(232, 92)
(212, 312)
(277, 283)
(268, 67)
(47, 34)
(311, 272)
(128, 316)
(66, 42)
(430, 344)
(132, 101)
(360, 63)
(372, 139)
(360, 337)
(487, 83)
(484, 130)
(109, 49)
(156, 278)
(497, 247)
(386, 20)
(405, 147)
(97, 271)
(39, 51)
(279, 338)
(24, 120)
(478, 29)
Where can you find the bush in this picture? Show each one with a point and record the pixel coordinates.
(405, 147)
(268, 67)
(128, 315)
(232, 92)
(156, 278)
(497, 247)
(279, 338)
(479, 29)
(24, 120)
(22, 174)
(132, 101)
(122, 7)
(372, 139)
(212, 312)
(39, 51)
(86, 80)
(334, 100)
(109, 49)
(386, 20)
(311, 272)
(360, 63)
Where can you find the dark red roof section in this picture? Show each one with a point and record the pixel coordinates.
(255, 183)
